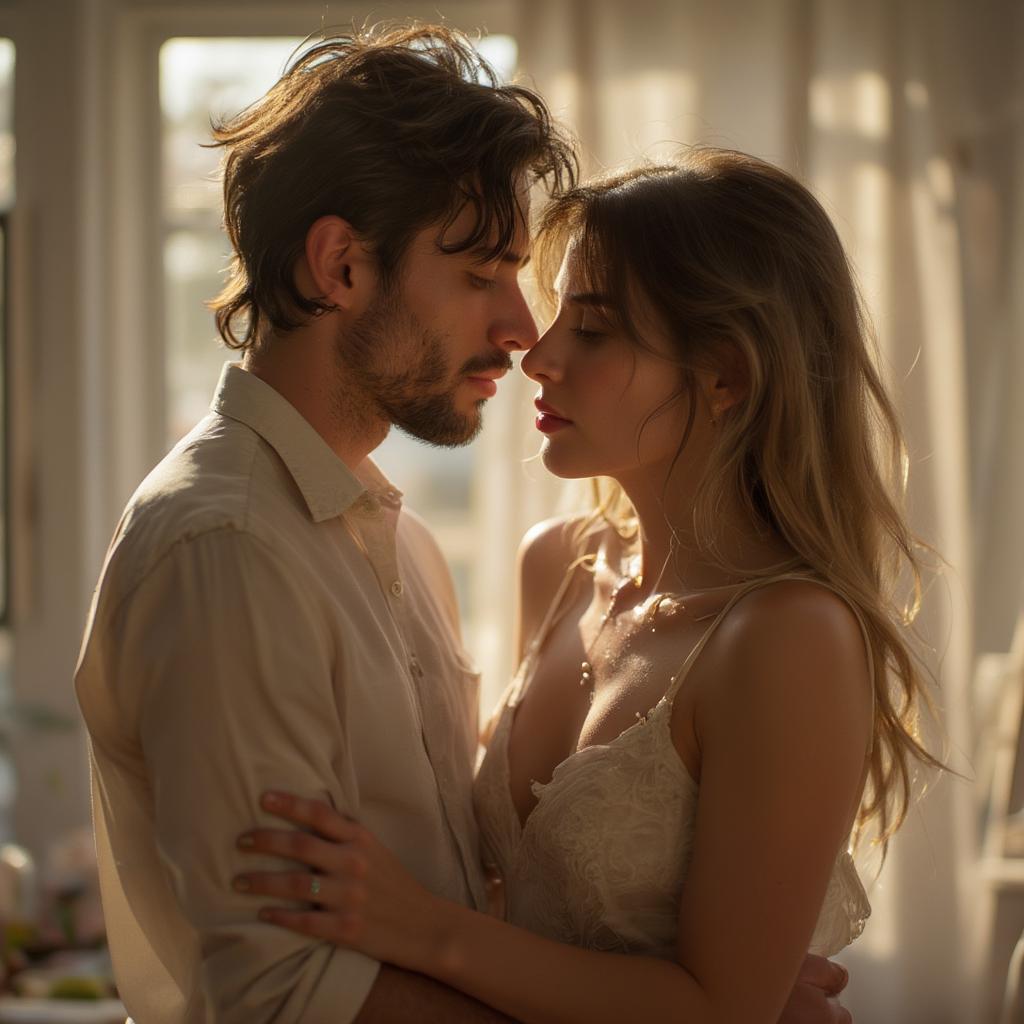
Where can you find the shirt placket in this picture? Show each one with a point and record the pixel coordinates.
(374, 529)
(372, 525)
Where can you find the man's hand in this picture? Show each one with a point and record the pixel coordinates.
(814, 997)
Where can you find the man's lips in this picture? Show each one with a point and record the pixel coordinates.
(486, 381)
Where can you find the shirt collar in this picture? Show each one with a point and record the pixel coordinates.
(327, 485)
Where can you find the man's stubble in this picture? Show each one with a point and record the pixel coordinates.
(398, 369)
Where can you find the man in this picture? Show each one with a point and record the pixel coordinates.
(268, 615)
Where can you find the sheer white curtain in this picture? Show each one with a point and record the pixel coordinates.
(906, 120)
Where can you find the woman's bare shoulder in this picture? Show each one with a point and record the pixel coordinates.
(545, 555)
(788, 638)
(549, 548)
(772, 617)
(556, 537)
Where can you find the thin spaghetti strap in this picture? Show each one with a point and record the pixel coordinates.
(537, 641)
(680, 676)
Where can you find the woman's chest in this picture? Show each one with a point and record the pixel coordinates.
(588, 686)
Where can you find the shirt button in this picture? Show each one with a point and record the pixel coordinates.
(368, 504)
(397, 589)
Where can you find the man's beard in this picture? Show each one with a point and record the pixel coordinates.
(400, 367)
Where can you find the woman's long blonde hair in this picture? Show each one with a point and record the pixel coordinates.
(734, 257)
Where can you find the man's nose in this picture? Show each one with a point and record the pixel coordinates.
(517, 332)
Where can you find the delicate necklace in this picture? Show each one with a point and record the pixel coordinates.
(586, 668)
(645, 614)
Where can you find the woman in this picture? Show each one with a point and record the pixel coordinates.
(716, 691)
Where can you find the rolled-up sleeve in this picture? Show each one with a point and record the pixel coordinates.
(226, 664)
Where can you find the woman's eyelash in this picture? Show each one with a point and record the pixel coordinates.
(481, 282)
(583, 332)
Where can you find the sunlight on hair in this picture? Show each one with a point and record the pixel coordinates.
(850, 528)
(501, 52)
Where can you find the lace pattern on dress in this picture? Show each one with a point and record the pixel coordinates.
(602, 858)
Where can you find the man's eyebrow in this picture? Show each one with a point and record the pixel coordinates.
(590, 299)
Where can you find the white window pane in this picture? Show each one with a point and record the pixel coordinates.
(202, 79)
(193, 261)
(6, 124)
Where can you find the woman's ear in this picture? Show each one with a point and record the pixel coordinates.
(337, 268)
(729, 384)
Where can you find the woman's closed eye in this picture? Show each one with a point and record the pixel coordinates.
(482, 283)
(591, 327)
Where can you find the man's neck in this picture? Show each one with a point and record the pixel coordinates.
(302, 368)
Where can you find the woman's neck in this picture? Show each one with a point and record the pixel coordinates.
(671, 559)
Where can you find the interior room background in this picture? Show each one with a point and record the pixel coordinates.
(905, 116)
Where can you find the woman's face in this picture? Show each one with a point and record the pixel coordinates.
(607, 407)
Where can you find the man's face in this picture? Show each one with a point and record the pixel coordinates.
(430, 349)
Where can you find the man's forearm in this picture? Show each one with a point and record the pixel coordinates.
(400, 996)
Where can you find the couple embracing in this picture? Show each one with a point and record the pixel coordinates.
(715, 692)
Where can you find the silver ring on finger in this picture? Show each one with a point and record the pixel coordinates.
(314, 887)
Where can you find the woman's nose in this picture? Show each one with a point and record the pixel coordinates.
(541, 363)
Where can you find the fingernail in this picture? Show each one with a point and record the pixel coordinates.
(246, 841)
(272, 801)
(242, 884)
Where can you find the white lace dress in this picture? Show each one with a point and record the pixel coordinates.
(603, 856)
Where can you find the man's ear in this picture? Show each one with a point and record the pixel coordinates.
(338, 269)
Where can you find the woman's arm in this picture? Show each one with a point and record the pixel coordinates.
(369, 902)
(400, 996)
(784, 732)
(783, 747)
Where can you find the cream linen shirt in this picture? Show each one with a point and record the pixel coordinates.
(266, 618)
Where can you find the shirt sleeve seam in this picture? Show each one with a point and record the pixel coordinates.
(179, 544)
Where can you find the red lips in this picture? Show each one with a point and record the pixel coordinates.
(549, 420)
(548, 410)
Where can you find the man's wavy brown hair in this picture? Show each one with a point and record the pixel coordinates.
(393, 129)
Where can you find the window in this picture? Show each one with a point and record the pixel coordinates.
(200, 79)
